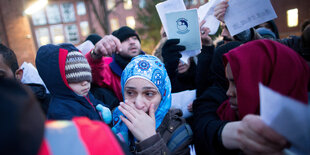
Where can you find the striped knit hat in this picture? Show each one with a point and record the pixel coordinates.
(77, 68)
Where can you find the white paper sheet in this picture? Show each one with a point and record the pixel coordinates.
(187, 54)
(287, 117)
(180, 100)
(206, 12)
(86, 46)
(244, 14)
(169, 6)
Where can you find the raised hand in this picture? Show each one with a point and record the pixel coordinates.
(206, 40)
(220, 10)
(253, 136)
(107, 46)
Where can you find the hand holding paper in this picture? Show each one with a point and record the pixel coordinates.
(287, 117)
(244, 14)
(181, 100)
(206, 12)
(169, 6)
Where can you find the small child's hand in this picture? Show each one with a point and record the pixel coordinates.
(105, 112)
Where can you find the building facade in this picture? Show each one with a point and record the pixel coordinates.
(73, 20)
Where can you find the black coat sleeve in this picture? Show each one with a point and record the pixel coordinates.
(202, 79)
(207, 125)
(185, 81)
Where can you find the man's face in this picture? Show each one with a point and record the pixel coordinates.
(131, 47)
(5, 70)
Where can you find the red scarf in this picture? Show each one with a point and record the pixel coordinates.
(271, 63)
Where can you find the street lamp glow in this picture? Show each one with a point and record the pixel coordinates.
(36, 6)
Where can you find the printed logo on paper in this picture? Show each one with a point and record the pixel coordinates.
(182, 26)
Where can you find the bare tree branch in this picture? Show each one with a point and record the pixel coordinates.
(102, 13)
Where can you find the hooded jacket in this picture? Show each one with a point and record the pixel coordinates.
(64, 103)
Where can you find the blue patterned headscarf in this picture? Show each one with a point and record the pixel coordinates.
(152, 69)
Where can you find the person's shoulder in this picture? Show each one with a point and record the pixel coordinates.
(175, 119)
(107, 60)
(180, 132)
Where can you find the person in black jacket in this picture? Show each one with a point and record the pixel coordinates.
(183, 75)
(204, 124)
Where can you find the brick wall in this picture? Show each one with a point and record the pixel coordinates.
(18, 30)
(281, 6)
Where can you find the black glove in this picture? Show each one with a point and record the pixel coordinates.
(171, 55)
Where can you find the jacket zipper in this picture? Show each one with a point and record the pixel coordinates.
(100, 115)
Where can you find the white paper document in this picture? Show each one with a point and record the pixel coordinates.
(85, 47)
(180, 100)
(184, 25)
(288, 117)
(244, 14)
(169, 6)
(187, 54)
(206, 12)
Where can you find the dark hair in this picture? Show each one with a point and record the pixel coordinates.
(305, 42)
(305, 24)
(22, 119)
(9, 58)
(94, 38)
(124, 33)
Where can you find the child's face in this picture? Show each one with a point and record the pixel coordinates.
(80, 88)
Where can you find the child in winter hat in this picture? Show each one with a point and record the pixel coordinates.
(67, 75)
(78, 75)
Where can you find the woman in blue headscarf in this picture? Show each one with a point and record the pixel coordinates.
(153, 127)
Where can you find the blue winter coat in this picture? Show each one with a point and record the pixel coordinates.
(64, 103)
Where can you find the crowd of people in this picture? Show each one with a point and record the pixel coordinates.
(116, 99)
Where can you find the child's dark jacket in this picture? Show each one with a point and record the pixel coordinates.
(64, 103)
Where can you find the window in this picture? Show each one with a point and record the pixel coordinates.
(130, 20)
(114, 24)
(84, 28)
(142, 3)
(38, 18)
(111, 4)
(53, 14)
(68, 14)
(72, 33)
(57, 34)
(292, 17)
(59, 22)
(81, 9)
(127, 4)
(42, 36)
